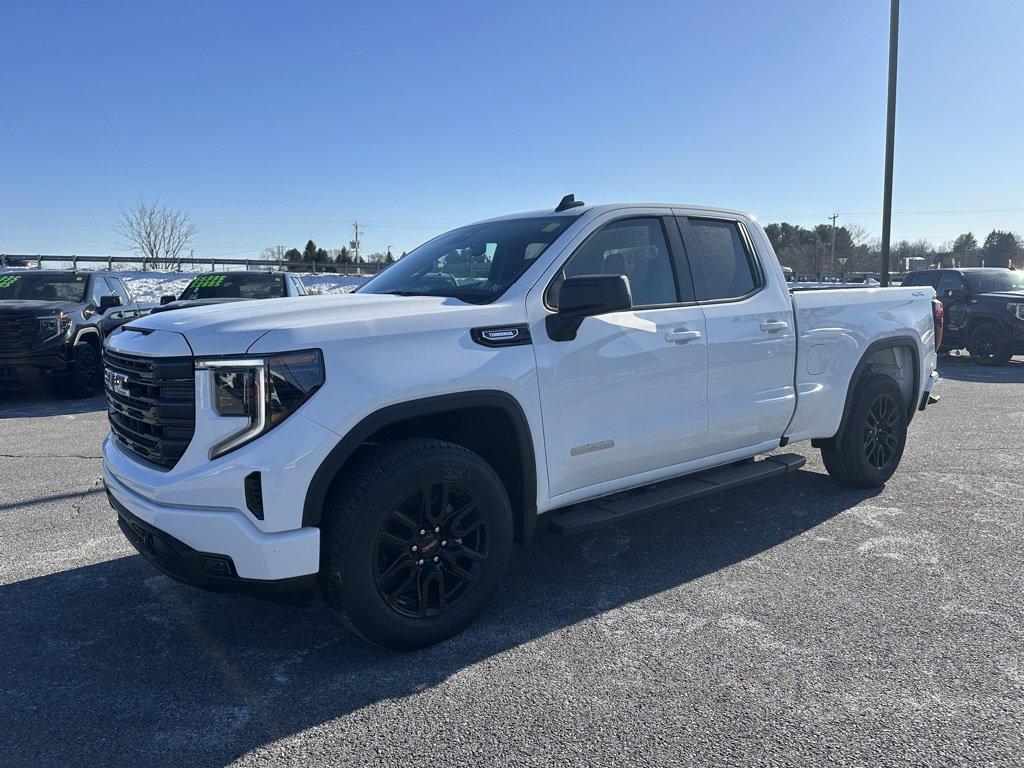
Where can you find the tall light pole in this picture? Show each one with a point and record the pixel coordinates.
(890, 136)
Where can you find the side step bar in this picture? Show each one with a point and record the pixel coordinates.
(590, 515)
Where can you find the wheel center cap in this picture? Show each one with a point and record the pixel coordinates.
(428, 544)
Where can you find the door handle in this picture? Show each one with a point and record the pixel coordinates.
(774, 326)
(682, 336)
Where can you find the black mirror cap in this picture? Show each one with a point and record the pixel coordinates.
(109, 302)
(588, 295)
(167, 299)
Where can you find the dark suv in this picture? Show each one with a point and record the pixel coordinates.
(52, 326)
(984, 310)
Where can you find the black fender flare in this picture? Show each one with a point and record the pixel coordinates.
(887, 343)
(84, 333)
(981, 318)
(325, 474)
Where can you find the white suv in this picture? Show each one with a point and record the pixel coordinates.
(578, 365)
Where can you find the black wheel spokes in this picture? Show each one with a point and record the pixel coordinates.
(90, 368)
(430, 550)
(985, 345)
(880, 432)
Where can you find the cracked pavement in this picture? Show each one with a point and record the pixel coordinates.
(788, 623)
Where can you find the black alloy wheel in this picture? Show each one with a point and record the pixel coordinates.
(430, 550)
(881, 437)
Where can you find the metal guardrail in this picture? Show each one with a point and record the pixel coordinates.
(315, 267)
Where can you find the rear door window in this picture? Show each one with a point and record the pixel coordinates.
(725, 267)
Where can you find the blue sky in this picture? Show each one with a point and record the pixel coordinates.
(276, 122)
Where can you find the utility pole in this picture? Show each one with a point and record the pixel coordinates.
(355, 243)
(832, 239)
(890, 136)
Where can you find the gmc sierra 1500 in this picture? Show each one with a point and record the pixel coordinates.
(579, 365)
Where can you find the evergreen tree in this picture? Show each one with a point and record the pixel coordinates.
(999, 248)
(309, 252)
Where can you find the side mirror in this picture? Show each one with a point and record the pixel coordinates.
(109, 302)
(167, 299)
(586, 296)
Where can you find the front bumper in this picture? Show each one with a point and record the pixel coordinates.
(52, 360)
(209, 571)
(217, 549)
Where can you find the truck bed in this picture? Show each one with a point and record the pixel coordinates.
(835, 328)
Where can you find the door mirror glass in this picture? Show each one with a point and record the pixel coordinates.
(109, 302)
(588, 295)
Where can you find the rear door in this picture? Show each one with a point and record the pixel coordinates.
(750, 334)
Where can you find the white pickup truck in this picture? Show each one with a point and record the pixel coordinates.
(576, 366)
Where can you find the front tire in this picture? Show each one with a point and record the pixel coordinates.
(870, 447)
(88, 372)
(416, 539)
(988, 345)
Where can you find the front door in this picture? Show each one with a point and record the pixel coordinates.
(627, 395)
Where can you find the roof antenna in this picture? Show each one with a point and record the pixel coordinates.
(569, 201)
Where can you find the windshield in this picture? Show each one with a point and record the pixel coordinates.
(992, 280)
(475, 264)
(241, 285)
(30, 287)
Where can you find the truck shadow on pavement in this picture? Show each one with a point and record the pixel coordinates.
(962, 369)
(114, 663)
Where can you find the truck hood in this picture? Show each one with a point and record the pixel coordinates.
(186, 303)
(231, 329)
(31, 308)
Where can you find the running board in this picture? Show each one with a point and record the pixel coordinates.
(590, 515)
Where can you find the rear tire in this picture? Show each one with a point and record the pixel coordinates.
(988, 345)
(88, 372)
(416, 539)
(870, 447)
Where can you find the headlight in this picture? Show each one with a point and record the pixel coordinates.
(1016, 309)
(53, 326)
(265, 390)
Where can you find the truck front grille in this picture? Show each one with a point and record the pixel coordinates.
(151, 404)
(17, 334)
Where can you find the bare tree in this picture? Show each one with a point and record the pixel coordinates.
(275, 253)
(155, 231)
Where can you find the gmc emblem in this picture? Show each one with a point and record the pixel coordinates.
(117, 382)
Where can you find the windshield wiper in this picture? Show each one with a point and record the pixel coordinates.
(397, 292)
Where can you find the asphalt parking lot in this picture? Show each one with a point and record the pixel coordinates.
(792, 622)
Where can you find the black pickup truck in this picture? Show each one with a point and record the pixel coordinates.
(52, 326)
(984, 310)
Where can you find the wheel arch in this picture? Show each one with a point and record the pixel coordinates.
(874, 355)
(983, 319)
(90, 335)
(462, 418)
